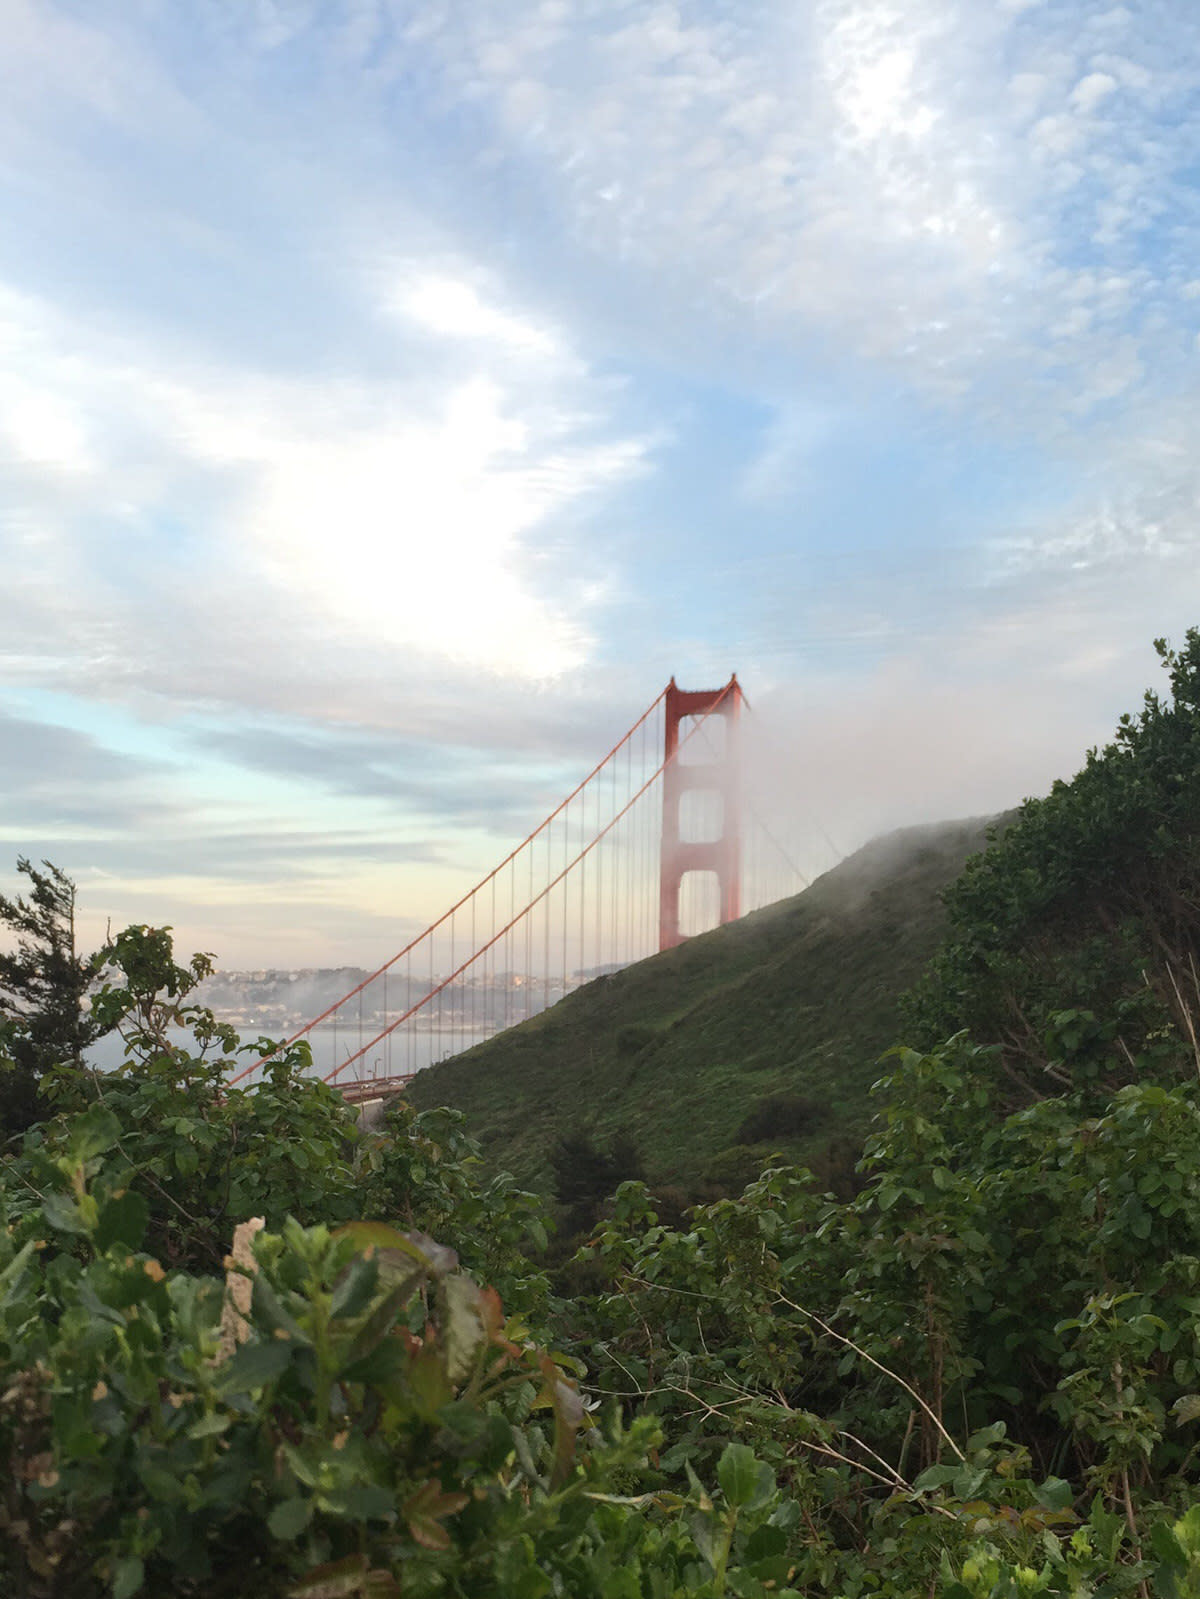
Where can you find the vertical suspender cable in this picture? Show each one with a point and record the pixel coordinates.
(582, 886)
(566, 894)
(601, 854)
(529, 941)
(546, 934)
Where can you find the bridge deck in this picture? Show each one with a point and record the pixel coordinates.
(374, 1088)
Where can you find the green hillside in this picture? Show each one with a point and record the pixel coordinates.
(678, 1051)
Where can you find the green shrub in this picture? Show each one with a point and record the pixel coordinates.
(634, 1037)
(781, 1115)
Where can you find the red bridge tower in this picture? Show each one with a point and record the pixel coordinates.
(723, 854)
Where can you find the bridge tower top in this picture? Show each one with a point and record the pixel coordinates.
(721, 775)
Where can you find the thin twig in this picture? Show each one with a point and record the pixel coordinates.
(887, 1372)
(1186, 1014)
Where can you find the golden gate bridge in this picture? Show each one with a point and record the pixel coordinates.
(661, 840)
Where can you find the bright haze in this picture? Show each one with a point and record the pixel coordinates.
(394, 395)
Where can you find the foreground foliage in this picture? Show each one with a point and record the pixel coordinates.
(978, 1377)
(347, 1412)
(992, 1354)
(336, 1408)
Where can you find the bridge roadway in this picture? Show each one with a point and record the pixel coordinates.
(374, 1088)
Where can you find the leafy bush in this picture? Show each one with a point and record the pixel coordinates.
(348, 1413)
(781, 1115)
(204, 1156)
(1034, 1277)
(344, 1410)
(1074, 939)
(585, 1174)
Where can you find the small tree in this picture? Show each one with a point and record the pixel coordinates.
(43, 984)
(585, 1175)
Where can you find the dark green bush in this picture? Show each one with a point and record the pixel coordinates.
(633, 1038)
(782, 1115)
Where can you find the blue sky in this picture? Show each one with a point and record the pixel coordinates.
(393, 396)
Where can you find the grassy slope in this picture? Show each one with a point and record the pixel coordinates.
(801, 998)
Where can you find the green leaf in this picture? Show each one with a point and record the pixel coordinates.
(1187, 1531)
(1186, 1409)
(289, 1518)
(745, 1481)
(11, 1276)
(1109, 1529)
(787, 1514)
(254, 1366)
(764, 1542)
(967, 1481)
(128, 1576)
(934, 1477)
(363, 1502)
(380, 1321)
(987, 1437)
(1054, 1494)
(379, 1236)
(92, 1132)
(123, 1221)
(701, 1528)
(463, 1331)
(1166, 1545)
(210, 1426)
(62, 1213)
(270, 1310)
(428, 1383)
(355, 1287)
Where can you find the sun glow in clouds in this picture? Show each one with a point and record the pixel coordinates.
(413, 532)
(451, 307)
(406, 514)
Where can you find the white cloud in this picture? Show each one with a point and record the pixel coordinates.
(40, 421)
(1145, 532)
(876, 97)
(916, 184)
(1056, 136)
(1090, 91)
(412, 533)
(449, 306)
(407, 512)
(51, 57)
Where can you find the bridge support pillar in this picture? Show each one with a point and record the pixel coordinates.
(720, 775)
